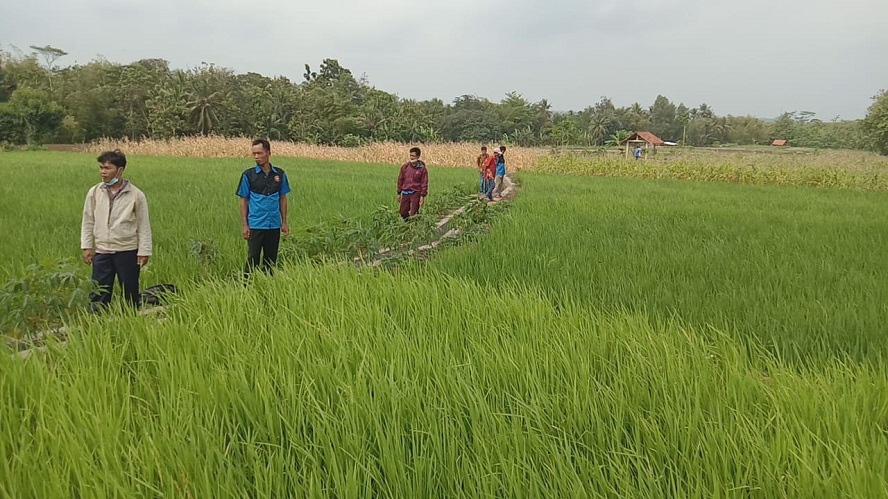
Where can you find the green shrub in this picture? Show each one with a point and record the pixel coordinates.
(43, 297)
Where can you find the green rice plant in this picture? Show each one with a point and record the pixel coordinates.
(799, 271)
(206, 253)
(419, 384)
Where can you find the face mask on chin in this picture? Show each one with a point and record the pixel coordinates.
(112, 181)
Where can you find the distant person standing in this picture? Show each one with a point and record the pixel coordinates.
(263, 193)
(413, 184)
(489, 173)
(482, 161)
(500, 172)
(637, 153)
(115, 233)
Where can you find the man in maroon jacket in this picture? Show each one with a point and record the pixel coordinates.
(413, 184)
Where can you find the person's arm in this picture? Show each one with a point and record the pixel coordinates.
(143, 229)
(285, 228)
(424, 189)
(244, 211)
(285, 189)
(400, 182)
(243, 193)
(87, 225)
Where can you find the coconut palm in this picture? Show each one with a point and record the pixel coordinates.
(202, 109)
(618, 137)
(598, 126)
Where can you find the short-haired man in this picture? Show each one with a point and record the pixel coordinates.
(413, 184)
(263, 193)
(115, 233)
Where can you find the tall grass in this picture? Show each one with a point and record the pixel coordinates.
(800, 270)
(360, 384)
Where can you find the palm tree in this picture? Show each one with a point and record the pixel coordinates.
(618, 137)
(202, 104)
(598, 126)
(684, 118)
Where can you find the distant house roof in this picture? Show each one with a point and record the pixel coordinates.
(645, 137)
(779, 142)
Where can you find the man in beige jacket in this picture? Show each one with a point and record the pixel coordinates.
(115, 234)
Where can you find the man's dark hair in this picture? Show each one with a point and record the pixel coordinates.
(483, 148)
(114, 157)
(416, 150)
(264, 142)
(502, 148)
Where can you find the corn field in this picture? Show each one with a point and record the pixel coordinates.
(451, 155)
(749, 165)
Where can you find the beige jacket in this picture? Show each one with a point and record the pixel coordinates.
(121, 225)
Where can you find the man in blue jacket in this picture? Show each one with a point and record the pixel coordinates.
(499, 184)
(263, 193)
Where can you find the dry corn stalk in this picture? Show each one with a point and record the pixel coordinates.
(449, 154)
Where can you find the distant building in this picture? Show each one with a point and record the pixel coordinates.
(644, 139)
(779, 142)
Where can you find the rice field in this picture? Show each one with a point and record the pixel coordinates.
(609, 337)
(190, 200)
(800, 271)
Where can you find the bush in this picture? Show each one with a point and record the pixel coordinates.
(43, 297)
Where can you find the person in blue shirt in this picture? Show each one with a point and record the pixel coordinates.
(500, 172)
(263, 193)
(637, 153)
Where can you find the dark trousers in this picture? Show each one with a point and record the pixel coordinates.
(409, 205)
(122, 265)
(262, 246)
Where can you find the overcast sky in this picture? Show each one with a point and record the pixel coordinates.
(758, 57)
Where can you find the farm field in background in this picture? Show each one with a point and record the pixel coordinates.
(760, 165)
(608, 336)
(190, 200)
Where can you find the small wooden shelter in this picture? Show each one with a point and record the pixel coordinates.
(643, 139)
(779, 142)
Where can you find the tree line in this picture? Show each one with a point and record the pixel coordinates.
(41, 102)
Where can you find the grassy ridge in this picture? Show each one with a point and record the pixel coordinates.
(190, 199)
(800, 270)
(364, 384)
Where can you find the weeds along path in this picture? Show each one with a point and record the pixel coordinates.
(444, 230)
